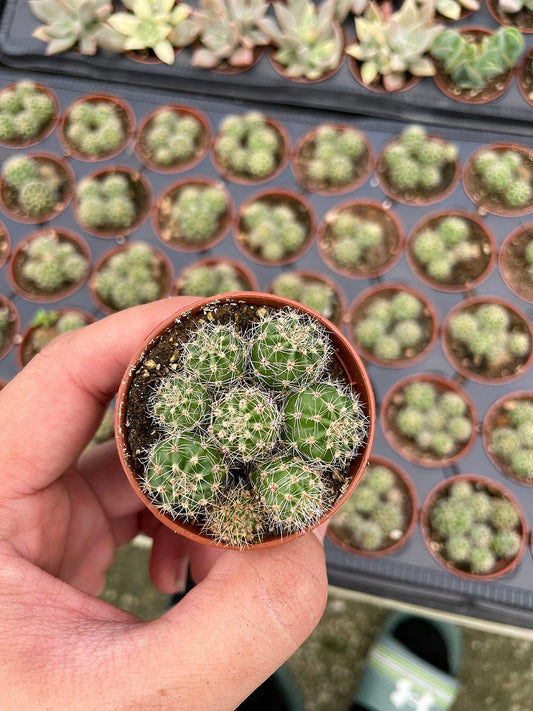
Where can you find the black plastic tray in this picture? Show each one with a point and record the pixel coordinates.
(341, 92)
(411, 574)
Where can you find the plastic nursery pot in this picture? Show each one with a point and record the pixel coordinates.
(522, 20)
(46, 130)
(475, 369)
(411, 355)
(162, 218)
(435, 543)
(413, 196)
(248, 277)
(242, 306)
(375, 260)
(165, 275)
(407, 446)
(514, 267)
(282, 157)
(27, 348)
(141, 193)
(7, 343)
(46, 161)
(525, 77)
(202, 145)
(310, 278)
(25, 288)
(276, 198)
(122, 109)
(303, 153)
(495, 88)
(466, 275)
(498, 416)
(480, 195)
(340, 531)
(5, 244)
(377, 84)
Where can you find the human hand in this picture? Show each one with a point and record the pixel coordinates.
(62, 518)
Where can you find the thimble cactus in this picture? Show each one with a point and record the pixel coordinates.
(96, 128)
(311, 292)
(34, 185)
(108, 202)
(505, 176)
(512, 442)
(194, 215)
(26, 111)
(212, 278)
(51, 262)
(352, 239)
(171, 137)
(215, 355)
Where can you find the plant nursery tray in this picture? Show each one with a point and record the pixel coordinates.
(410, 574)
(423, 102)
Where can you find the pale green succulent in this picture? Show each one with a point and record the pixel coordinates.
(392, 47)
(159, 25)
(452, 9)
(344, 7)
(75, 23)
(308, 40)
(229, 31)
(513, 6)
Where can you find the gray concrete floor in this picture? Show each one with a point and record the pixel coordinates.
(496, 673)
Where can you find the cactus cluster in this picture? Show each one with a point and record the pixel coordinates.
(95, 128)
(475, 528)
(488, 335)
(375, 516)
(417, 162)
(440, 248)
(47, 325)
(131, 276)
(52, 262)
(314, 293)
(217, 277)
(171, 138)
(194, 215)
(437, 421)
(25, 112)
(332, 157)
(249, 146)
(35, 184)
(106, 202)
(505, 176)
(513, 441)
(272, 231)
(250, 427)
(351, 238)
(393, 326)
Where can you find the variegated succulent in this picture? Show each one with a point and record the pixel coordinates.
(308, 39)
(452, 9)
(514, 6)
(159, 25)
(228, 31)
(75, 23)
(344, 7)
(392, 47)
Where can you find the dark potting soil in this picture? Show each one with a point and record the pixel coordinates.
(514, 265)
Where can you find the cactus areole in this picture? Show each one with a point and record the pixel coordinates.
(245, 420)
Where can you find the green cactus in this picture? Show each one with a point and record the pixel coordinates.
(171, 138)
(480, 505)
(235, 518)
(506, 544)
(52, 262)
(211, 279)
(482, 561)
(272, 233)
(451, 517)
(25, 112)
(180, 404)
(215, 355)
(334, 157)
(107, 202)
(365, 499)
(503, 515)
(458, 549)
(379, 478)
(505, 176)
(388, 517)
(95, 128)
(196, 212)
(249, 147)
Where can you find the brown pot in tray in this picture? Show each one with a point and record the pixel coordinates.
(516, 262)
(377, 85)
(5, 244)
(295, 285)
(525, 77)
(45, 129)
(10, 316)
(522, 20)
(245, 276)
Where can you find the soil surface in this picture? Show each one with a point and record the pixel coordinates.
(514, 266)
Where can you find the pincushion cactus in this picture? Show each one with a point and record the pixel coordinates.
(512, 442)
(194, 215)
(314, 293)
(171, 138)
(505, 176)
(36, 184)
(107, 202)
(25, 112)
(352, 238)
(249, 146)
(179, 405)
(273, 232)
(96, 128)
(52, 262)
(212, 278)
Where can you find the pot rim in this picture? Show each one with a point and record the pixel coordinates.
(506, 244)
(4, 301)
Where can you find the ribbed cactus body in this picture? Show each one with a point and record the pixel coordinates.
(215, 355)
(180, 404)
(236, 518)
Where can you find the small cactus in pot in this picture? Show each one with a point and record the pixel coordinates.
(47, 325)
(28, 113)
(255, 386)
(507, 432)
(214, 276)
(311, 290)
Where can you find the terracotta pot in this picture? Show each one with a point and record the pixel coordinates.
(26, 351)
(5, 244)
(461, 279)
(47, 130)
(359, 307)
(65, 193)
(25, 288)
(306, 145)
(496, 88)
(503, 565)
(377, 84)
(242, 270)
(277, 197)
(142, 194)
(204, 143)
(345, 357)
(513, 265)
(283, 157)
(15, 325)
(411, 197)
(378, 261)
(525, 76)
(167, 275)
(498, 416)
(464, 363)
(339, 306)
(125, 114)
(404, 483)
(406, 446)
(480, 196)
(162, 206)
(522, 20)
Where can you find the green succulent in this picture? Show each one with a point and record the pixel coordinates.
(95, 128)
(249, 146)
(171, 138)
(352, 238)
(52, 262)
(273, 234)
(25, 112)
(235, 518)
(36, 183)
(107, 202)
(513, 442)
(211, 279)
(196, 213)
(505, 176)
(315, 294)
(333, 157)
